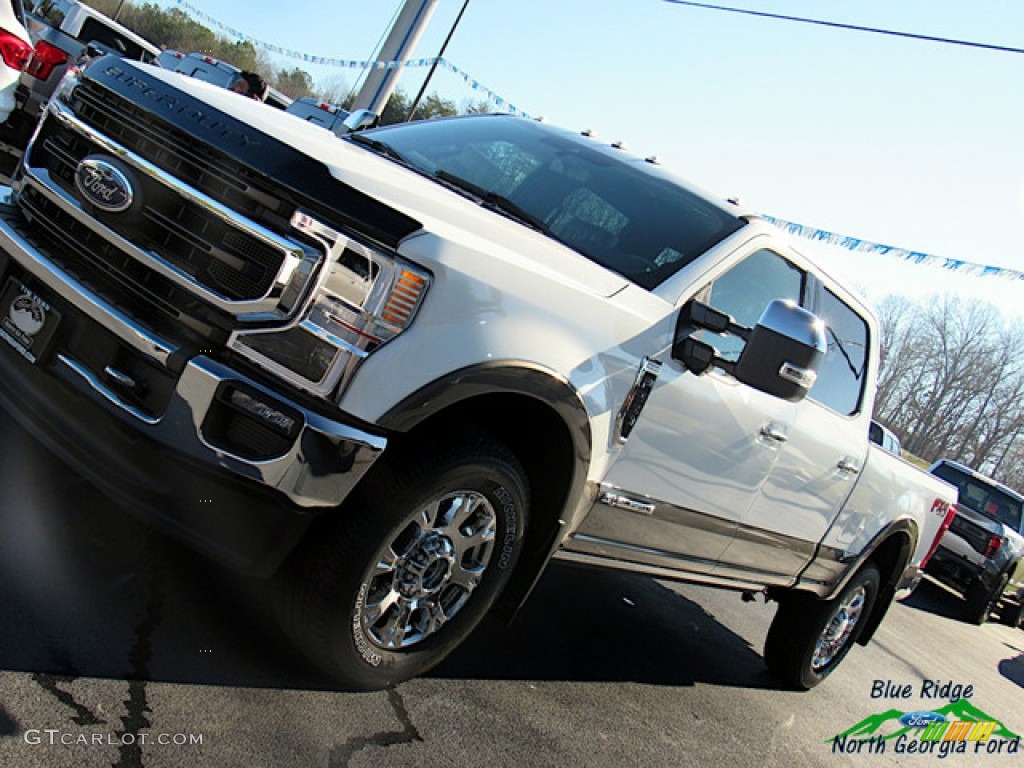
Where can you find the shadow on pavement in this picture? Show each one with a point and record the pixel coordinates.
(587, 624)
(935, 599)
(1013, 669)
(88, 591)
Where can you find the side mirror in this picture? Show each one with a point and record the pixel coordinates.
(784, 352)
(358, 120)
(782, 355)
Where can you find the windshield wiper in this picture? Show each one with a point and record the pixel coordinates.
(381, 149)
(493, 201)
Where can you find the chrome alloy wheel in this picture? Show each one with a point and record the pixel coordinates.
(839, 629)
(425, 576)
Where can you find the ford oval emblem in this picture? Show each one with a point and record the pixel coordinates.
(921, 719)
(104, 185)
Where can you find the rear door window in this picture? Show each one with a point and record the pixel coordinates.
(841, 379)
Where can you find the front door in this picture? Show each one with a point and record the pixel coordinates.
(703, 447)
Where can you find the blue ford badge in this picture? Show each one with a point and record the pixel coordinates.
(104, 185)
(921, 719)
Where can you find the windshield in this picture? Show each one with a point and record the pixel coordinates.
(983, 498)
(609, 206)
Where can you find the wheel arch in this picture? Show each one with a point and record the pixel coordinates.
(540, 417)
(891, 552)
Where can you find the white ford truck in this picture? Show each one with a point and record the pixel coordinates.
(397, 372)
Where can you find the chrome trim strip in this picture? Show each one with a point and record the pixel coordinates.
(131, 333)
(294, 253)
(620, 545)
(583, 558)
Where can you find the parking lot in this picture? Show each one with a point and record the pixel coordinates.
(118, 647)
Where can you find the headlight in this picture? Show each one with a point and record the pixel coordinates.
(365, 298)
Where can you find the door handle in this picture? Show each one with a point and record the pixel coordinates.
(848, 466)
(773, 433)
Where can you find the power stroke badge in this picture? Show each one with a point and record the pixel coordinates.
(27, 322)
(104, 185)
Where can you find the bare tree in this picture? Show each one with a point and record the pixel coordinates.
(951, 383)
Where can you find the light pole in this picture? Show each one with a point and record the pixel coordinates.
(433, 67)
(117, 13)
(400, 42)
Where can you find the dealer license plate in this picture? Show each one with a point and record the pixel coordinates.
(27, 321)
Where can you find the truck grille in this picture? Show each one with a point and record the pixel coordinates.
(144, 295)
(218, 256)
(179, 154)
(200, 249)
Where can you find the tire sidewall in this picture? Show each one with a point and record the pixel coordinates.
(982, 601)
(354, 649)
(870, 579)
(799, 624)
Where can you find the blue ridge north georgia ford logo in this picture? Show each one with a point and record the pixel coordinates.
(104, 185)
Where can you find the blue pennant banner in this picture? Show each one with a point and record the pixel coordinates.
(915, 257)
(327, 61)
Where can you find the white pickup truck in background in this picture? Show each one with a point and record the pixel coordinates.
(398, 371)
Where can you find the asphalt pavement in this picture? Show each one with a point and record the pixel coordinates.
(120, 648)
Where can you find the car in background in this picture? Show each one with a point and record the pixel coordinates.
(57, 34)
(15, 52)
(319, 112)
(169, 59)
(216, 72)
(62, 29)
(206, 68)
(885, 438)
(982, 552)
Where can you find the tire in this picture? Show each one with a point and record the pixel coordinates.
(809, 638)
(1012, 613)
(981, 603)
(406, 570)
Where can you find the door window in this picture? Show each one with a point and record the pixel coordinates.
(746, 290)
(841, 378)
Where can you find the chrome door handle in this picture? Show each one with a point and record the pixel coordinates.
(773, 433)
(848, 466)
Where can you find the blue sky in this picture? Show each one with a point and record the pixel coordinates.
(902, 142)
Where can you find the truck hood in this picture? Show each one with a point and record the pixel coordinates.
(439, 210)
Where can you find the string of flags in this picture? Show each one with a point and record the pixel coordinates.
(915, 257)
(329, 61)
(801, 230)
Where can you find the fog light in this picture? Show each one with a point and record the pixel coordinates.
(271, 416)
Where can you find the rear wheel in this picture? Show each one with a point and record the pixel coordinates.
(411, 566)
(982, 602)
(1012, 614)
(809, 638)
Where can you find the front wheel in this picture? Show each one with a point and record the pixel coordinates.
(411, 565)
(809, 638)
